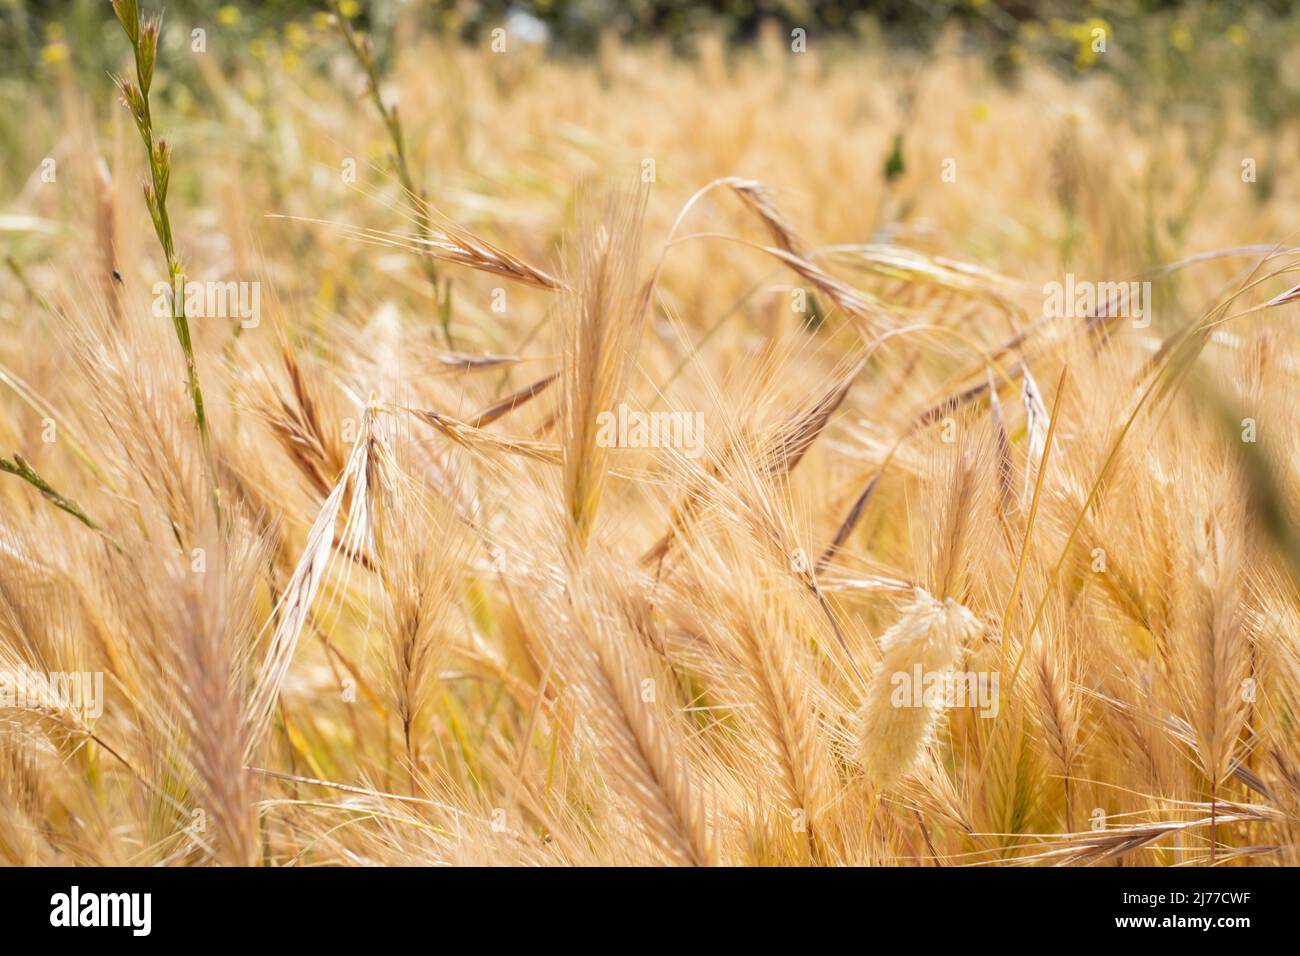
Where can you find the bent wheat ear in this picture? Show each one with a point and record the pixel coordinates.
(306, 580)
(868, 314)
(758, 199)
(478, 440)
(899, 715)
(863, 308)
(456, 246)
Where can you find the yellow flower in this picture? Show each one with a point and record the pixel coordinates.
(55, 53)
(1237, 35)
(296, 35)
(1181, 38)
(980, 112)
(228, 15)
(1089, 36)
(349, 8)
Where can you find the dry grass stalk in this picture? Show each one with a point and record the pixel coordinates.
(603, 327)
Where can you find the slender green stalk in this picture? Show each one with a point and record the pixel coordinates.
(365, 55)
(21, 276)
(21, 468)
(135, 95)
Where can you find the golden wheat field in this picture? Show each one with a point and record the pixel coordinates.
(832, 456)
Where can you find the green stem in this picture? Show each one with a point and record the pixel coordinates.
(21, 468)
(144, 37)
(415, 196)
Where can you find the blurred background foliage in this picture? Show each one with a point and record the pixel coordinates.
(1173, 51)
(1188, 64)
